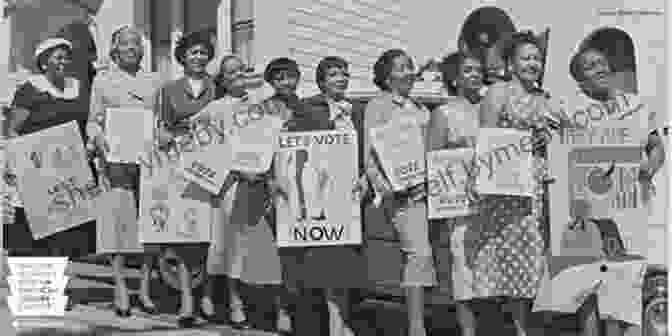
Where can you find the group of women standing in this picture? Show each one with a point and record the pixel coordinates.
(497, 252)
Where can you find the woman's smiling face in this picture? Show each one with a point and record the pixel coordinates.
(57, 61)
(196, 59)
(595, 70)
(402, 76)
(526, 63)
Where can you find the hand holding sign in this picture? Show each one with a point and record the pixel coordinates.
(400, 148)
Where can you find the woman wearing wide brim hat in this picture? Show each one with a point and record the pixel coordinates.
(48, 98)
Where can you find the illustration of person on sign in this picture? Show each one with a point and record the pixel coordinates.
(313, 182)
(159, 213)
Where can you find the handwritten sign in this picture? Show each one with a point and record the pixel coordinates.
(318, 171)
(205, 157)
(447, 180)
(37, 286)
(401, 150)
(253, 144)
(172, 209)
(596, 171)
(127, 129)
(504, 159)
(54, 179)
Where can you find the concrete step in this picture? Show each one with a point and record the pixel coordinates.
(105, 322)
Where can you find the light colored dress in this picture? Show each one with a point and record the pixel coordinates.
(455, 125)
(240, 250)
(407, 216)
(116, 88)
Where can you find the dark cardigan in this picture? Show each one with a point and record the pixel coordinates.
(324, 266)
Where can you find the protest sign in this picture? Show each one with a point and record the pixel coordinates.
(253, 144)
(126, 129)
(204, 157)
(504, 159)
(447, 181)
(616, 281)
(172, 209)
(596, 173)
(318, 171)
(400, 147)
(54, 180)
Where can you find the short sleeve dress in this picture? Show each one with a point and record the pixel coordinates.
(406, 214)
(243, 246)
(49, 107)
(455, 125)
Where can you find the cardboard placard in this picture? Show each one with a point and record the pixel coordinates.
(318, 171)
(54, 179)
(400, 147)
(447, 180)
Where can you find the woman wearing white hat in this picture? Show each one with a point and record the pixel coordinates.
(49, 98)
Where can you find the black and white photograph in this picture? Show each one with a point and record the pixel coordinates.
(410, 168)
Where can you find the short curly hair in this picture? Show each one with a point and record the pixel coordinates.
(325, 64)
(510, 46)
(116, 38)
(197, 38)
(383, 67)
(281, 64)
(450, 67)
(219, 77)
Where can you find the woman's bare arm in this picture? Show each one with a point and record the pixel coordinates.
(17, 116)
(492, 104)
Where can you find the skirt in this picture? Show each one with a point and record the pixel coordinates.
(409, 219)
(340, 267)
(499, 252)
(243, 245)
(118, 227)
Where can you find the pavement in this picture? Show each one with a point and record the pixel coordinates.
(93, 290)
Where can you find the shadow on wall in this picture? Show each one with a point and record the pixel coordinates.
(480, 34)
(483, 28)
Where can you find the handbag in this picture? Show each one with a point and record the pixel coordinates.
(582, 237)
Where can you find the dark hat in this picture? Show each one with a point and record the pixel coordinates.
(202, 37)
(280, 64)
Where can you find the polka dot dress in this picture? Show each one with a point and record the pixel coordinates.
(508, 260)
